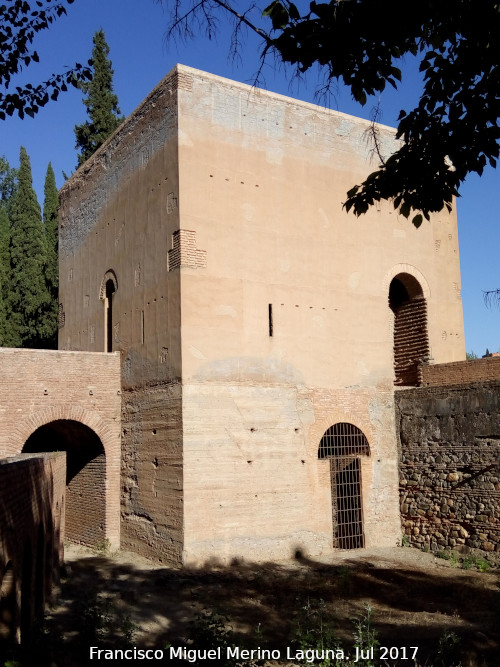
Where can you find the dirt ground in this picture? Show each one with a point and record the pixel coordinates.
(451, 614)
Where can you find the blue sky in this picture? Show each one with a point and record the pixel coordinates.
(135, 32)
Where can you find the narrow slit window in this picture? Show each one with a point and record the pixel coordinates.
(110, 290)
(271, 320)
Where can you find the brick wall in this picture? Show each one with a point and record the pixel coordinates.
(184, 251)
(410, 340)
(449, 467)
(460, 372)
(32, 489)
(85, 504)
(65, 401)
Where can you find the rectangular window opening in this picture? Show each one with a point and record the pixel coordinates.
(271, 320)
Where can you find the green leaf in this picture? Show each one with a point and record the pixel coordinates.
(294, 12)
(417, 220)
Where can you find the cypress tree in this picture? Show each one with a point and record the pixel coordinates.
(29, 299)
(50, 221)
(8, 185)
(101, 103)
(4, 276)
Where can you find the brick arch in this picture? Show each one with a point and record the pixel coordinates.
(20, 433)
(319, 428)
(410, 270)
(110, 443)
(109, 275)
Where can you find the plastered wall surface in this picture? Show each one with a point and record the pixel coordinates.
(73, 395)
(254, 487)
(279, 253)
(32, 494)
(245, 298)
(118, 214)
(262, 179)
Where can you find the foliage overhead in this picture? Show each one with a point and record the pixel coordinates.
(101, 103)
(451, 132)
(20, 21)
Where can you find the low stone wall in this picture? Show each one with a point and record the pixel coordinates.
(32, 492)
(449, 439)
(459, 372)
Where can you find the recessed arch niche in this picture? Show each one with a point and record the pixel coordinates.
(85, 507)
(411, 342)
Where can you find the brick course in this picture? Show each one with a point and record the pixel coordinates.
(460, 372)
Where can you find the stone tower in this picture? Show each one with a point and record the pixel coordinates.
(262, 329)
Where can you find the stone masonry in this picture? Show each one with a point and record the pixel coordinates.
(206, 242)
(449, 440)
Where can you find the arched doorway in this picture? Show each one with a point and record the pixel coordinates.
(343, 444)
(411, 343)
(85, 520)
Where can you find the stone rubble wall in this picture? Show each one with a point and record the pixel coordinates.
(449, 440)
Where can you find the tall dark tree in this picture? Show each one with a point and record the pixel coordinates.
(50, 221)
(8, 183)
(20, 21)
(101, 103)
(8, 186)
(29, 299)
(4, 276)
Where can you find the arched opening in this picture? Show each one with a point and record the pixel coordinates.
(8, 605)
(343, 444)
(85, 476)
(109, 287)
(411, 343)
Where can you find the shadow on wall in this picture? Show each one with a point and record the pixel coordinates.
(85, 476)
(32, 492)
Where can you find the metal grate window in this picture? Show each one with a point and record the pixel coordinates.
(343, 444)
